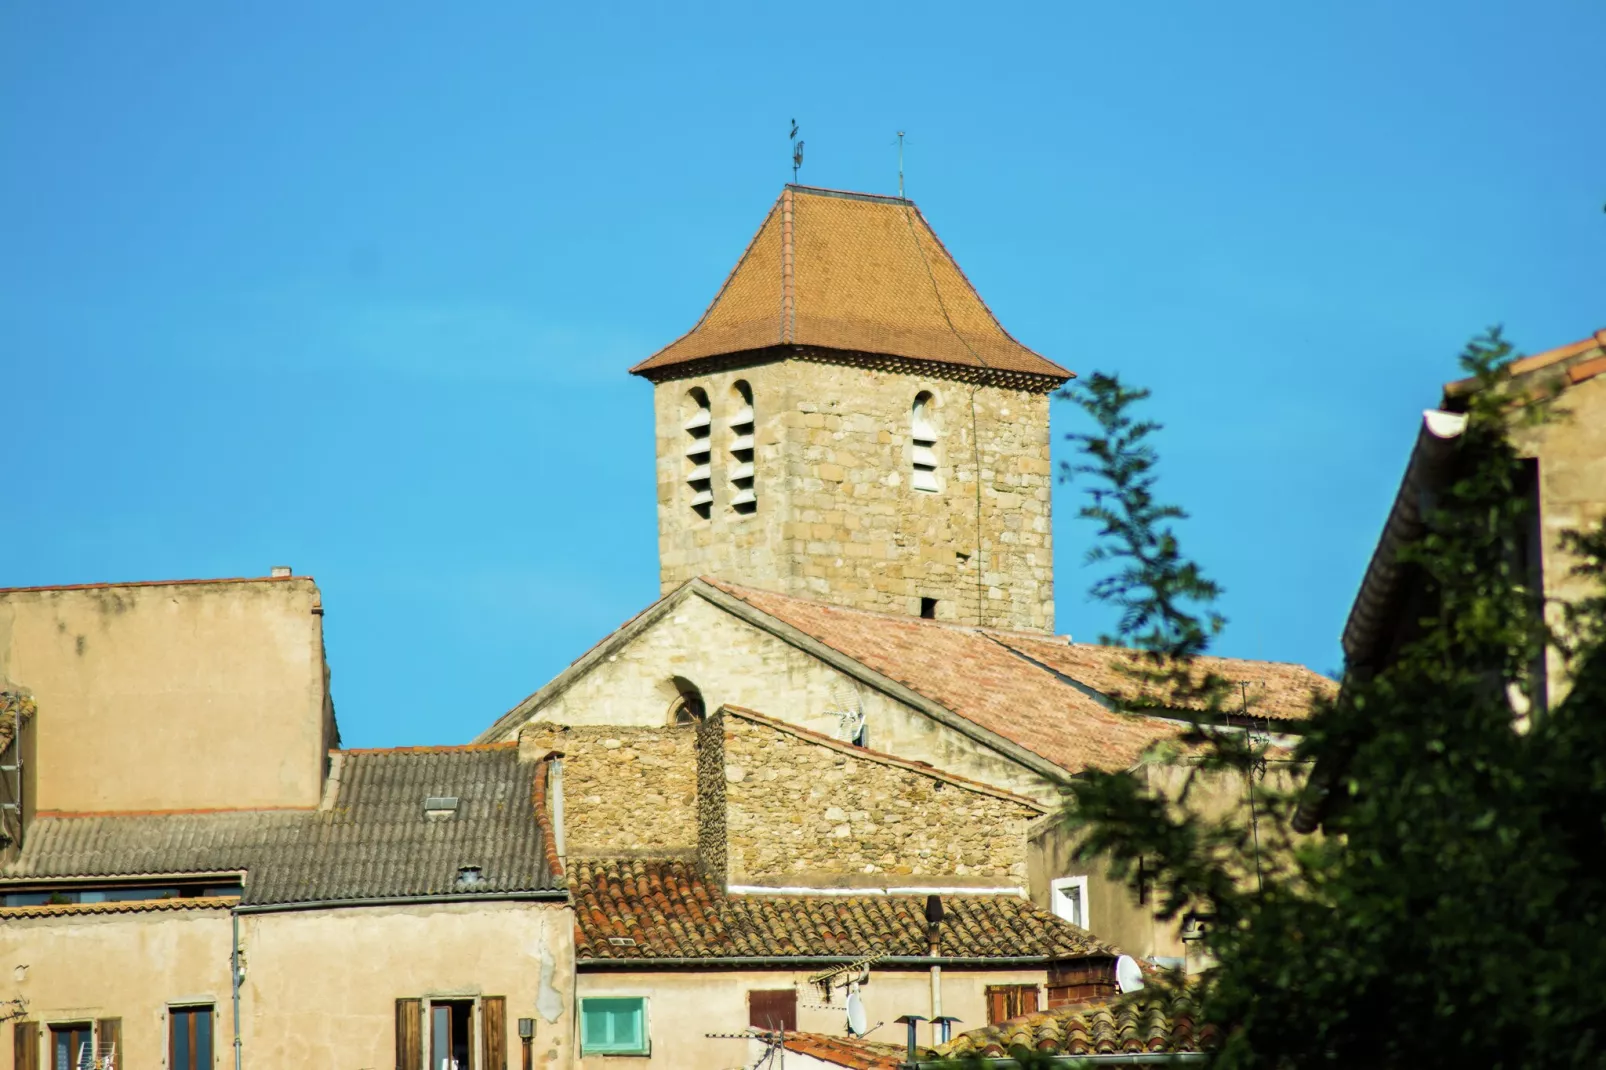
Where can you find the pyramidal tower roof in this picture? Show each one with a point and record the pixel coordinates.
(853, 273)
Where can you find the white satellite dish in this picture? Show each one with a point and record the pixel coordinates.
(1128, 975)
(858, 1024)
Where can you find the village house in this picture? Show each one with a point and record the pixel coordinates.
(193, 878)
(1566, 487)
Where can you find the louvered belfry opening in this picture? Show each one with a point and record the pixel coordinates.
(744, 490)
(699, 426)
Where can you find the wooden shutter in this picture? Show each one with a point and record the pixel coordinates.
(409, 1034)
(1028, 1000)
(774, 1009)
(493, 1031)
(109, 1039)
(25, 1045)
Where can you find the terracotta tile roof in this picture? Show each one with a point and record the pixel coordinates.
(977, 675)
(1275, 689)
(125, 906)
(1150, 1021)
(857, 273)
(1590, 354)
(373, 842)
(851, 1052)
(666, 909)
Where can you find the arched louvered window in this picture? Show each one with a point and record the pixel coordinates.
(699, 426)
(923, 436)
(744, 490)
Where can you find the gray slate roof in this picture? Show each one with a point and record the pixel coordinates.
(373, 842)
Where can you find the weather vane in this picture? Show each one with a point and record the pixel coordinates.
(797, 152)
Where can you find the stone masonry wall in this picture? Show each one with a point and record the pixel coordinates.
(801, 810)
(837, 518)
(712, 850)
(625, 789)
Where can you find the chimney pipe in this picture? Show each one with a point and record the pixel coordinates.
(279, 572)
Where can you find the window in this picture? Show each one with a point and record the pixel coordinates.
(615, 1025)
(923, 435)
(451, 1037)
(189, 1038)
(698, 425)
(1068, 899)
(1010, 1001)
(72, 1047)
(773, 1010)
(69, 893)
(744, 495)
(928, 609)
(688, 706)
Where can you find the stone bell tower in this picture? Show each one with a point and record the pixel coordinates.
(821, 429)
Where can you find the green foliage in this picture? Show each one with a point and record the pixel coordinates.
(1460, 917)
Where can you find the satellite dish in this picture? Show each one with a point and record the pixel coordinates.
(858, 1024)
(1128, 976)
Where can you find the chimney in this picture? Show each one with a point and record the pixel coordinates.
(279, 572)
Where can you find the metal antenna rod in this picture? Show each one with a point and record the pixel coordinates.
(900, 165)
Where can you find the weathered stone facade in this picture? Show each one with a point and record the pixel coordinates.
(625, 789)
(804, 810)
(837, 517)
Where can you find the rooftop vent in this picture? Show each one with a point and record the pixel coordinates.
(622, 941)
(279, 572)
(440, 806)
(469, 877)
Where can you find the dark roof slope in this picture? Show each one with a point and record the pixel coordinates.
(853, 273)
(372, 842)
(666, 909)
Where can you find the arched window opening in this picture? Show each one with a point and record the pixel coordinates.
(923, 434)
(744, 492)
(688, 705)
(699, 425)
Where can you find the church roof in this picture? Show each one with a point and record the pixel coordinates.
(855, 273)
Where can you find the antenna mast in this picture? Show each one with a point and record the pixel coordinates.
(900, 165)
(797, 152)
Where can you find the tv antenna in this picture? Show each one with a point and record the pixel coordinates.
(900, 165)
(797, 152)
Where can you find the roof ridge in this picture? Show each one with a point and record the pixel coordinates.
(438, 748)
(150, 583)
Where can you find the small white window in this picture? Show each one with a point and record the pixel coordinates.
(1069, 899)
(923, 436)
(698, 425)
(744, 490)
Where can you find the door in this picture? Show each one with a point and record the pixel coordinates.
(451, 1038)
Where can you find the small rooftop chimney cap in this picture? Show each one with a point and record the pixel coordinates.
(469, 876)
(279, 572)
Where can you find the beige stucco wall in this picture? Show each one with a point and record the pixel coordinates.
(684, 1005)
(173, 696)
(1111, 908)
(128, 966)
(799, 811)
(837, 518)
(320, 986)
(733, 663)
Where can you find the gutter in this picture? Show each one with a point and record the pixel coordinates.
(1181, 1058)
(399, 900)
(920, 962)
(1425, 474)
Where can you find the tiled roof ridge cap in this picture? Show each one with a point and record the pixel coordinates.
(543, 819)
(428, 748)
(177, 812)
(849, 194)
(1202, 657)
(152, 583)
(641, 367)
(882, 757)
(738, 590)
(1537, 362)
(122, 906)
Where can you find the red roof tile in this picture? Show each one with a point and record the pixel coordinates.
(122, 906)
(1149, 1021)
(665, 908)
(857, 273)
(854, 1053)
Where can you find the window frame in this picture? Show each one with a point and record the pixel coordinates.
(1055, 887)
(644, 1045)
(69, 1026)
(925, 463)
(190, 1010)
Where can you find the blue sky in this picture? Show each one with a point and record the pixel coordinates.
(353, 287)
